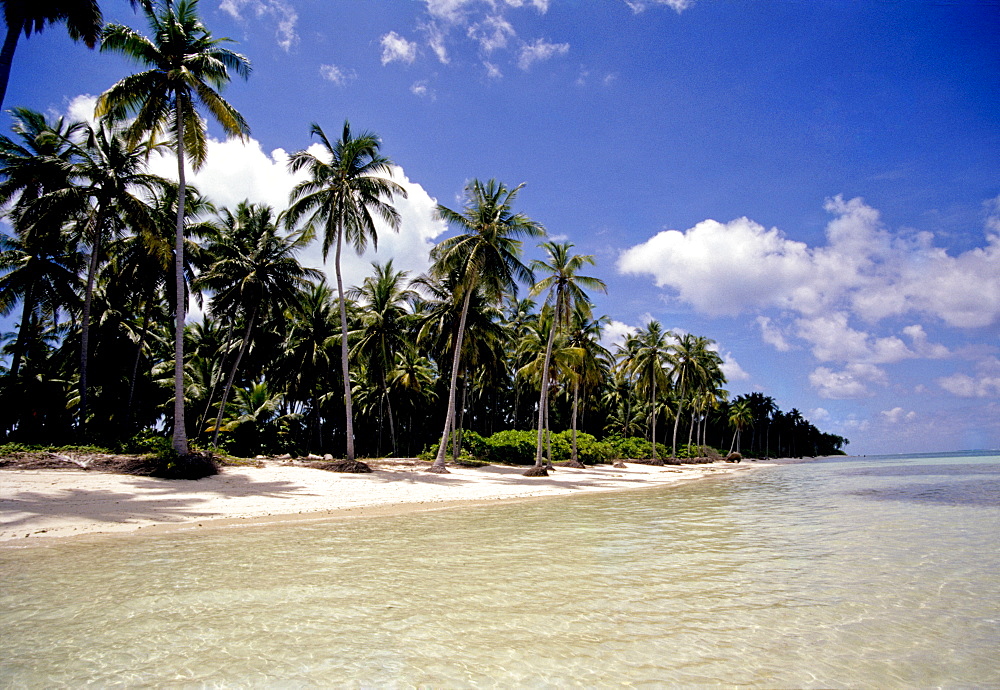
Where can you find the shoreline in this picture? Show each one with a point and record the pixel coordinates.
(39, 507)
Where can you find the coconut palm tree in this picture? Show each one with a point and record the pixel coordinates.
(693, 365)
(38, 262)
(82, 18)
(254, 273)
(740, 416)
(565, 291)
(344, 193)
(187, 67)
(484, 256)
(595, 365)
(384, 331)
(115, 183)
(647, 359)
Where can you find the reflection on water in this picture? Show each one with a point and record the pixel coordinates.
(789, 576)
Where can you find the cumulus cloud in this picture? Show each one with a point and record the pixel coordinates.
(897, 415)
(337, 75)
(539, 50)
(740, 266)
(614, 333)
(395, 48)
(422, 89)
(851, 382)
(833, 340)
(282, 13)
(676, 5)
(491, 33)
(985, 384)
(772, 334)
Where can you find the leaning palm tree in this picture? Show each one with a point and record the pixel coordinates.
(565, 294)
(82, 17)
(486, 256)
(343, 194)
(186, 67)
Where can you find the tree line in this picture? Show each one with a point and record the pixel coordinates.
(104, 257)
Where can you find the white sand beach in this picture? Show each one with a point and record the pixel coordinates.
(37, 506)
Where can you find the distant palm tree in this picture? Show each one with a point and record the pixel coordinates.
(595, 365)
(187, 67)
(740, 416)
(485, 256)
(647, 359)
(344, 192)
(565, 291)
(82, 17)
(693, 366)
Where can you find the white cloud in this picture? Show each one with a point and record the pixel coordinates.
(491, 33)
(851, 382)
(395, 48)
(420, 88)
(81, 109)
(338, 76)
(897, 415)
(732, 369)
(772, 335)
(492, 71)
(539, 50)
(863, 269)
(819, 414)
(282, 12)
(921, 346)
(676, 5)
(985, 384)
(833, 340)
(614, 333)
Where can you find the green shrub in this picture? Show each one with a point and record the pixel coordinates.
(589, 450)
(636, 448)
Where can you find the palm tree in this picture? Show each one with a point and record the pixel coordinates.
(739, 417)
(114, 178)
(82, 17)
(187, 67)
(254, 273)
(485, 256)
(565, 293)
(38, 162)
(343, 194)
(384, 328)
(693, 366)
(595, 366)
(646, 358)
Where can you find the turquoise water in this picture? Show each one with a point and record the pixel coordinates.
(877, 572)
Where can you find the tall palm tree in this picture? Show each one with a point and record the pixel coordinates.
(344, 193)
(693, 366)
(647, 359)
(484, 256)
(254, 273)
(384, 332)
(38, 162)
(595, 365)
(187, 67)
(82, 17)
(565, 291)
(115, 182)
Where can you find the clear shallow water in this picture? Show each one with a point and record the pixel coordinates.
(837, 573)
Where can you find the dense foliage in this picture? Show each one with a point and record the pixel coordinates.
(93, 268)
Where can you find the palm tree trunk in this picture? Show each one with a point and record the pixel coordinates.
(456, 441)
(7, 57)
(135, 364)
(88, 300)
(438, 465)
(180, 440)
(343, 350)
(22, 333)
(231, 378)
(652, 402)
(392, 423)
(216, 375)
(543, 397)
(574, 460)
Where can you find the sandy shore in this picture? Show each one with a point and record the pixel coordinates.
(37, 506)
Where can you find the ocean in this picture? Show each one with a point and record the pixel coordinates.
(839, 572)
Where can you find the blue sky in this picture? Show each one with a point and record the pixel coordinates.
(814, 185)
